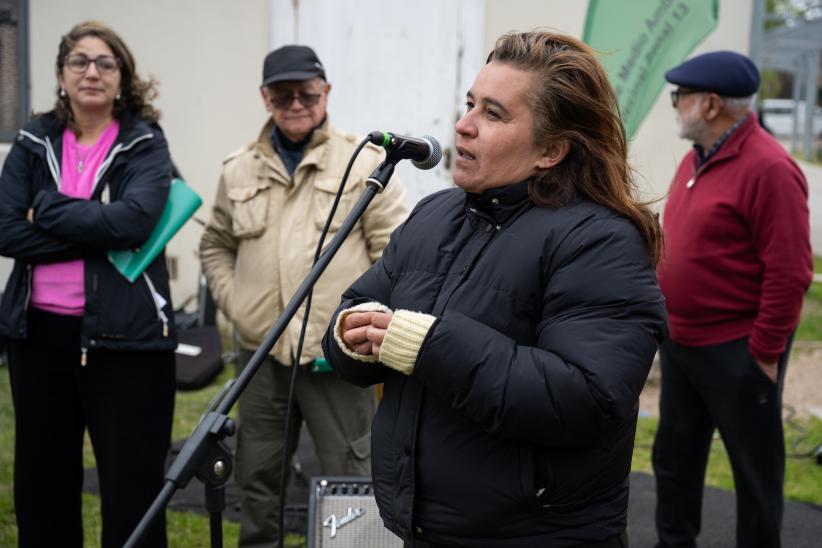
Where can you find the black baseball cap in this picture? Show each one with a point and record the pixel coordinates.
(291, 63)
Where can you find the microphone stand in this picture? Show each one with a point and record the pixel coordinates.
(204, 454)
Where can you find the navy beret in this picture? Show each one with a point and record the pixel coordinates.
(725, 73)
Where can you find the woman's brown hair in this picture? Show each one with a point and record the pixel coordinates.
(573, 102)
(136, 94)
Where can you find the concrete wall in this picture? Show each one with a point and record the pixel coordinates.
(5, 264)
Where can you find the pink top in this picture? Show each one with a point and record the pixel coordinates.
(59, 288)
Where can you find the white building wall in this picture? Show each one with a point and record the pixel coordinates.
(393, 66)
(521, 15)
(207, 57)
(5, 264)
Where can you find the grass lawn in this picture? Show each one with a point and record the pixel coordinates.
(185, 529)
(810, 326)
(803, 477)
(816, 157)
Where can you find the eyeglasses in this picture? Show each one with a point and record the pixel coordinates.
(106, 64)
(677, 94)
(283, 99)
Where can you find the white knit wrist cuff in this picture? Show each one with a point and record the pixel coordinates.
(404, 338)
(362, 307)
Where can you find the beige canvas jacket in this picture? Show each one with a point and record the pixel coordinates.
(260, 242)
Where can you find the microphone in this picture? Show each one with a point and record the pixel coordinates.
(424, 152)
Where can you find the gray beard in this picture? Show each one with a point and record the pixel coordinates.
(692, 130)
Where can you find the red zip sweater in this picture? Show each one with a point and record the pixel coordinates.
(738, 256)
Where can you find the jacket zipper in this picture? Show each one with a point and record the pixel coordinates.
(114, 152)
(692, 181)
(28, 284)
(156, 297)
(51, 158)
(97, 177)
(469, 266)
(54, 169)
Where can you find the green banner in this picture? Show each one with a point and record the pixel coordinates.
(639, 40)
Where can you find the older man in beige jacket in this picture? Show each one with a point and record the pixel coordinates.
(271, 205)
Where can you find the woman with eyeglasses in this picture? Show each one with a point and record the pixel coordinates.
(87, 349)
(513, 319)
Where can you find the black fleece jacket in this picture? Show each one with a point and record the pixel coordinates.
(126, 202)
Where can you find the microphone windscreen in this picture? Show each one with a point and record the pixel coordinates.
(434, 158)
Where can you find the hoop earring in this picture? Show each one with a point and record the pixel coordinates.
(62, 92)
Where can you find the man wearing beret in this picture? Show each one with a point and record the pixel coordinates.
(736, 267)
(272, 202)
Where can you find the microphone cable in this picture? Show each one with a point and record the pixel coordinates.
(286, 463)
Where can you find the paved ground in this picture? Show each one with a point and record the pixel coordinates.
(802, 522)
(814, 175)
(801, 525)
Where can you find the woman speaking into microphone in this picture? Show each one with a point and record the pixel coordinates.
(513, 319)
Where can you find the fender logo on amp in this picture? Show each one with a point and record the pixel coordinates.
(333, 523)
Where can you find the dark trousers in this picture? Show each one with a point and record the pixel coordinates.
(125, 399)
(720, 387)
(338, 415)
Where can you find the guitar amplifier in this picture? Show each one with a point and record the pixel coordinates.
(342, 513)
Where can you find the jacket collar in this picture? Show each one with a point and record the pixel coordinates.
(315, 154)
(43, 136)
(44, 125)
(499, 203)
(47, 125)
(732, 146)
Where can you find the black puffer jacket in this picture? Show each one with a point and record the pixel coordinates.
(516, 427)
(126, 202)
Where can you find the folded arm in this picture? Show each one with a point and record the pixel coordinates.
(125, 222)
(19, 238)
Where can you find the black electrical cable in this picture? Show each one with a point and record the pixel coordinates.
(286, 464)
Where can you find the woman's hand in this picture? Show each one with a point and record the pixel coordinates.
(30, 216)
(363, 332)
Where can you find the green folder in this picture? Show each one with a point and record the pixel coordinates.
(181, 205)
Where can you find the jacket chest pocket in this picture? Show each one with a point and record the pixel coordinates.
(325, 191)
(249, 209)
